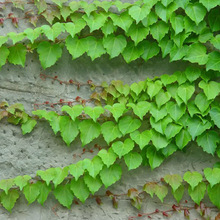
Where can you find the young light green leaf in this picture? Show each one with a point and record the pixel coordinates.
(139, 13)
(159, 30)
(196, 12)
(140, 109)
(53, 32)
(133, 160)
(193, 178)
(89, 130)
(94, 166)
(209, 4)
(158, 114)
(182, 139)
(172, 130)
(198, 193)
(108, 28)
(185, 92)
(161, 192)
(117, 110)
(165, 12)
(3, 39)
(48, 53)
(215, 116)
(31, 192)
(59, 2)
(60, 175)
(150, 19)
(214, 194)
(142, 139)
(159, 140)
(175, 111)
(166, 2)
(77, 169)
(68, 129)
(162, 98)
(177, 23)
(74, 27)
(28, 126)
(137, 88)
(94, 112)
(108, 157)
(47, 175)
(6, 185)
(160, 125)
(16, 37)
(110, 175)
(80, 189)
(123, 148)
(93, 184)
(74, 111)
(201, 102)
(22, 181)
(127, 124)
(196, 127)
(168, 79)
(150, 188)
(8, 200)
(64, 195)
(114, 45)
(153, 88)
(211, 89)
(17, 54)
(212, 175)
(178, 194)
(192, 73)
(4, 52)
(44, 191)
(174, 181)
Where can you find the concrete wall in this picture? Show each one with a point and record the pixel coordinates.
(42, 149)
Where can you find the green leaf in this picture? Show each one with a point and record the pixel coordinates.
(216, 41)
(177, 53)
(168, 79)
(17, 54)
(137, 88)
(105, 5)
(31, 192)
(127, 124)
(28, 126)
(161, 192)
(196, 12)
(120, 87)
(64, 195)
(153, 88)
(165, 12)
(60, 175)
(192, 73)
(158, 114)
(44, 191)
(196, 127)
(77, 169)
(166, 2)
(32, 34)
(213, 61)
(65, 12)
(201, 102)
(93, 184)
(174, 181)
(215, 116)
(108, 28)
(198, 193)
(3, 39)
(133, 160)
(169, 150)
(95, 20)
(151, 49)
(76, 47)
(197, 54)
(150, 188)
(80, 189)
(211, 89)
(150, 19)
(123, 20)
(160, 125)
(142, 139)
(117, 110)
(162, 98)
(114, 45)
(132, 52)
(159, 30)
(108, 157)
(155, 158)
(110, 131)
(212, 175)
(182, 3)
(185, 92)
(209, 4)
(94, 166)
(137, 33)
(22, 181)
(59, 2)
(4, 52)
(178, 194)
(175, 111)
(140, 109)
(89, 130)
(182, 139)
(95, 47)
(74, 111)
(16, 37)
(48, 53)
(47, 175)
(214, 194)
(75, 27)
(177, 23)
(121, 5)
(193, 178)
(122, 148)
(6, 185)
(159, 140)
(192, 109)
(139, 13)
(166, 46)
(8, 200)
(172, 130)
(214, 20)
(53, 32)
(94, 112)
(110, 175)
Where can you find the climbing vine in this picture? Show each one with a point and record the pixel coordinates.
(142, 123)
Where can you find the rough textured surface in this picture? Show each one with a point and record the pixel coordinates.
(42, 149)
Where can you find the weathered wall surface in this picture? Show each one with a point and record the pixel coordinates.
(42, 149)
